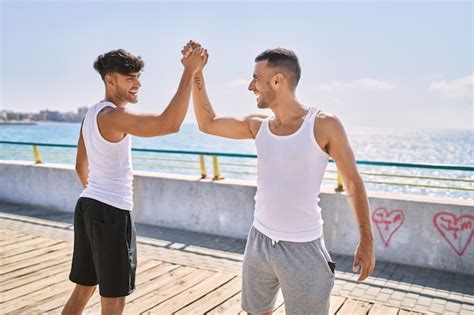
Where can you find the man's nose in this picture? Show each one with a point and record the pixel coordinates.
(250, 87)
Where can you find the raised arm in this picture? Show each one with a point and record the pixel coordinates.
(340, 150)
(149, 125)
(228, 127)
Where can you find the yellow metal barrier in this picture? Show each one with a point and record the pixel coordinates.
(215, 164)
(340, 183)
(203, 166)
(234, 168)
(37, 155)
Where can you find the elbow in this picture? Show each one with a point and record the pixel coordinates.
(354, 186)
(169, 128)
(350, 189)
(203, 128)
(175, 128)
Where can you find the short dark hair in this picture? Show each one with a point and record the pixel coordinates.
(282, 58)
(120, 61)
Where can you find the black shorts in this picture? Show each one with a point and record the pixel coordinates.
(105, 250)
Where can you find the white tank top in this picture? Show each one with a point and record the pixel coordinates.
(110, 178)
(290, 170)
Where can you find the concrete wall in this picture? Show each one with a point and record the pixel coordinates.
(414, 230)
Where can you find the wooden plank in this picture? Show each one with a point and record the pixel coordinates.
(55, 297)
(25, 246)
(143, 283)
(5, 271)
(47, 305)
(19, 238)
(231, 306)
(31, 299)
(35, 276)
(354, 307)
(7, 233)
(34, 286)
(37, 266)
(167, 290)
(34, 253)
(147, 289)
(192, 294)
(405, 312)
(213, 298)
(335, 303)
(380, 309)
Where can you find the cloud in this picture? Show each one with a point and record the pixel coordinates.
(237, 83)
(458, 89)
(360, 84)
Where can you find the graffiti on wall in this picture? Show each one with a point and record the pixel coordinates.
(387, 222)
(458, 231)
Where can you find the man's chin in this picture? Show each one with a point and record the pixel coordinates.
(262, 105)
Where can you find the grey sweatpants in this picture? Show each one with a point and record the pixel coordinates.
(301, 270)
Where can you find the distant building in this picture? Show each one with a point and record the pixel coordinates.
(3, 116)
(44, 115)
(81, 111)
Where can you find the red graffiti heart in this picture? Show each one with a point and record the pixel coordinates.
(387, 223)
(457, 231)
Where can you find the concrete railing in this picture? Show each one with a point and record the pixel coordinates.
(415, 230)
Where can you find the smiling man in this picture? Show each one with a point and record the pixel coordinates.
(285, 247)
(104, 232)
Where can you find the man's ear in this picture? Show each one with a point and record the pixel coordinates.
(109, 79)
(277, 80)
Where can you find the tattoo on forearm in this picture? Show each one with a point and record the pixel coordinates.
(197, 80)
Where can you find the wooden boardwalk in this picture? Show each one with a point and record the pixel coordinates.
(34, 280)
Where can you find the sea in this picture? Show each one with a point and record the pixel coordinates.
(425, 146)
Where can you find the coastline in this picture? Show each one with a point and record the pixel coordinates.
(13, 123)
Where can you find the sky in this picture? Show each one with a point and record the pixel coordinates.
(390, 64)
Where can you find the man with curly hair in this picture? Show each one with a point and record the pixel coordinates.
(104, 233)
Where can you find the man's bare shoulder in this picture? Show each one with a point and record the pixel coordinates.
(113, 113)
(114, 119)
(255, 121)
(328, 122)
